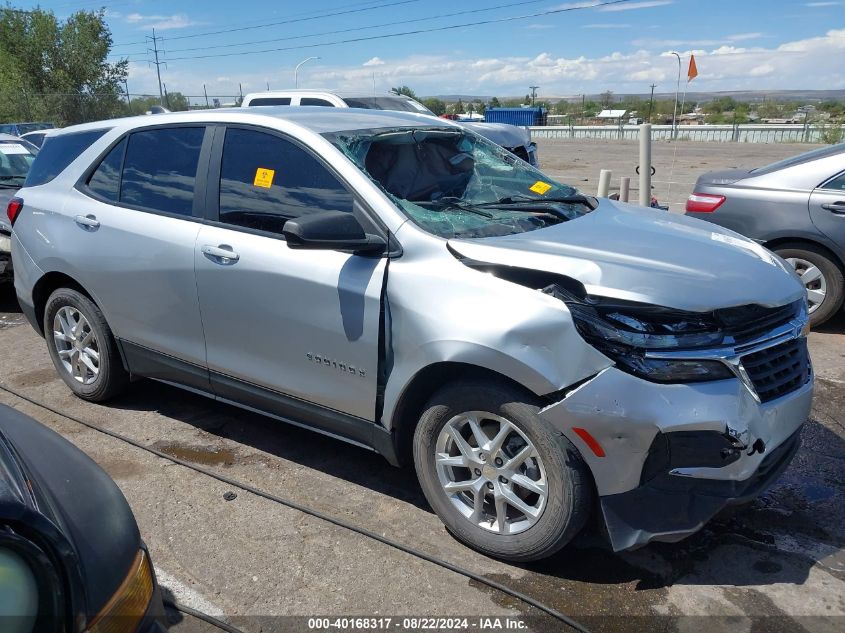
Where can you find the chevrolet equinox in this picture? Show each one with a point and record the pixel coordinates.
(401, 283)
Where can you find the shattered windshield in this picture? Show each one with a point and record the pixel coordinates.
(454, 183)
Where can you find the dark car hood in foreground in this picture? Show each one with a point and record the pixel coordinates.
(500, 133)
(637, 254)
(78, 497)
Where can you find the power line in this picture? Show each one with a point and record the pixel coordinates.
(295, 20)
(565, 9)
(358, 28)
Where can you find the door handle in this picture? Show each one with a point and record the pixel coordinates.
(222, 254)
(837, 207)
(88, 222)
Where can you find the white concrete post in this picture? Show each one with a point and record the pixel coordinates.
(645, 164)
(625, 188)
(604, 183)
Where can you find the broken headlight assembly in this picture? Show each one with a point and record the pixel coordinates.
(626, 332)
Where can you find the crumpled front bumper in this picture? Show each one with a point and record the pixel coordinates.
(650, 492)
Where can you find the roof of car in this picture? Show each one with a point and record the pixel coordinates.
(338, 93)
(8, 137)
(315, 118)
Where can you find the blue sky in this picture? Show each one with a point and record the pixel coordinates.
(580, 47)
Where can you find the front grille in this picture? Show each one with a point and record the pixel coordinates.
(746, 323)
(778, 370)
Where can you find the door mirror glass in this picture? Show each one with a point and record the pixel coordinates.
(331, 230)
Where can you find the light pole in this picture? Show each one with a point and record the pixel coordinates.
(533, 94)
(677, 90)
(308, 59)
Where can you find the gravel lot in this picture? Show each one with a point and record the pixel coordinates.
(577, 162)
(777, 564)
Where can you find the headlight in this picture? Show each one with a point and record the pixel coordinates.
(31, 592)
(129, 604)
(18, 593)
(625, 333)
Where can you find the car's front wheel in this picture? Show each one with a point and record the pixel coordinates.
(820, 275)
(501, 479)
(82, 347)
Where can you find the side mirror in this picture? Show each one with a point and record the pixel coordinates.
(331, 230)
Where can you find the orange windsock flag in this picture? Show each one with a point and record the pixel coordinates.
(692, 73)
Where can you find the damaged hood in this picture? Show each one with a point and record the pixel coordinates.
(500, 133)
(638, 254)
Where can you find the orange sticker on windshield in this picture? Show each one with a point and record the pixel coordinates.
(264, 177)
(540, 187)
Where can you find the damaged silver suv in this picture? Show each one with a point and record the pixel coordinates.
(404, 284)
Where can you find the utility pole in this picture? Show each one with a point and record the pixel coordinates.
(128, 98)
(651, 102)
(155, 51)
(583, 107)
(166, 98)
(205, 92)
(533, 94)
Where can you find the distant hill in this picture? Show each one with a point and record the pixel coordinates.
(808, 96)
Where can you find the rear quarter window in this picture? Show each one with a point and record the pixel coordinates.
(57, 153)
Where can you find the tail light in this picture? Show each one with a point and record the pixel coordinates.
(703, 203)
(14, 209)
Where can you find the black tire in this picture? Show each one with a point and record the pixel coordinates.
(569, 484)
(825, 262)
(112, 379)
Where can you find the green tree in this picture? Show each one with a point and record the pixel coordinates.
(437, 106)
(58, 71)
(404, 90)
(607, 100)
(494, 103)
(458, 108)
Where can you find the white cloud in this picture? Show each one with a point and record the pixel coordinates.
(822, 4)
(540, 26)
(606, 25)
(374, 61)
(808, 63)
(161, 22)
(741, 37)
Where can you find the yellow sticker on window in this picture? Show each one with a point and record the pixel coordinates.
(264, 177)
(540, 187)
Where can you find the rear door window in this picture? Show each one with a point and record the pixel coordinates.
(836, 184)
(160, 169)
(57, 153)
(105, 181)
(266, 180)
(270, 101)
(313, 101)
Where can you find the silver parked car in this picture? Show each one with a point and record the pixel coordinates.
(404, 284)
(795, 207)
(16, 157)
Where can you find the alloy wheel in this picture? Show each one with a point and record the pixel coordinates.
(491, 472)
(76, 344)
(813, 280)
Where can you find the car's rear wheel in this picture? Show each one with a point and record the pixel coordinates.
(501, 478)
(820, 275)
(82, 347)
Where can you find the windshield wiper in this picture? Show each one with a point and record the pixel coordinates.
(519, 199)
(449, 203)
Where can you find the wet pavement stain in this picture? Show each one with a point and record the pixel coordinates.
(35, 378)
(205, 455)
